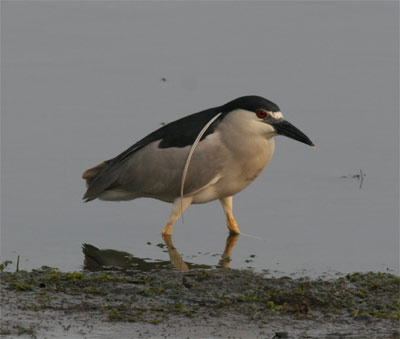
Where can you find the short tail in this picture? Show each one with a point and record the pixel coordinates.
(90, 175)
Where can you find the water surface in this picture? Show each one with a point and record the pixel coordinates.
(83, 81)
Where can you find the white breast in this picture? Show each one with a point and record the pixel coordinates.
(250, 145)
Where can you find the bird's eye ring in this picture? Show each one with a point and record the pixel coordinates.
(261, 114)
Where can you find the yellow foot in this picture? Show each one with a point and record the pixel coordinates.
(167, 230)
(168, 240)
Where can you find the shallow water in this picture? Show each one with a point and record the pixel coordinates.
(82, 82)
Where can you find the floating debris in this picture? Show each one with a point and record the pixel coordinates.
(359, 176)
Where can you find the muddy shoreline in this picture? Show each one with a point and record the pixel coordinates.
(197, 303)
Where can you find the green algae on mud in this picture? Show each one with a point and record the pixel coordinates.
(370, 293)
(157, 296)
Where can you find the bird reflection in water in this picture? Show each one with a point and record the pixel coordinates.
(108, 259)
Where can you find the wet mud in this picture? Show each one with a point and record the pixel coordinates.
(219, 302)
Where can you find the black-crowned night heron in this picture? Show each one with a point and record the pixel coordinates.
(209, 155)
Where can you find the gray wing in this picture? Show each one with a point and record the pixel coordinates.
(178, 135)
(157, 172)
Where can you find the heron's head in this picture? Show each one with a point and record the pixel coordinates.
(266, 117)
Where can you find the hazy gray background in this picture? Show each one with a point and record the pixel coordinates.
(81, 82)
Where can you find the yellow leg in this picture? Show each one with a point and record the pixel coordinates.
(230, 220)
(177, 209)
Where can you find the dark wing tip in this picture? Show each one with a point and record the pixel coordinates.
(86, 198)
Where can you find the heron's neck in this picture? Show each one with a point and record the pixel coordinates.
(250, 141)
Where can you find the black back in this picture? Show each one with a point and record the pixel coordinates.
(179, 133)
(183, 132)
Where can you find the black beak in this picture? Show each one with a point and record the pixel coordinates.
(285, 128)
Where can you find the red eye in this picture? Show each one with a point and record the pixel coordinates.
(261, 114)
